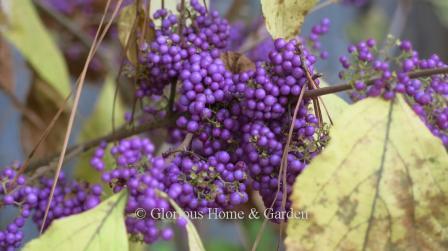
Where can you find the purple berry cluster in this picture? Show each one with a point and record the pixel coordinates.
(427, 96)
(165, 57)
(142, 174)
(247, 112)
(32, 200)
(70, 197)
(199, 184)
(216, 104)
(317, 31)
(196, 184)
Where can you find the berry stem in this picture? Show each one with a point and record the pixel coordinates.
(345, 87)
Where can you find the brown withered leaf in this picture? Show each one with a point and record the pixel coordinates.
(237, 62)
(6, 67)
(130, 35)
(44, 101)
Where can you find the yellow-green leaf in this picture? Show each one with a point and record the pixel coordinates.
(101, 228)
(194, 241)
(284, 18)
(27, 33)
(99, 123)
(381, 184)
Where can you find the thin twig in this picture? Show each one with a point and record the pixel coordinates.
(312, 86)
(76, 102)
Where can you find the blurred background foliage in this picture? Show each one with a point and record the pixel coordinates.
(29, 98)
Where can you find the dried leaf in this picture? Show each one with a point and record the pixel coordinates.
(381, 184)
(44, 101)
(237, 62)
(101, 228)
(6, 67)
(285, 17)
(127, 33)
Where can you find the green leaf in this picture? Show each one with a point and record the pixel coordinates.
(441, 9)
(381, 184)
(99, 123)
(27, 33)
(284, 18)
(101, 228)
(194, 241)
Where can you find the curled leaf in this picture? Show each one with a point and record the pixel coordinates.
(285, 17)
(237, 62)
(132, 24)
(100, 228)
(381, 184)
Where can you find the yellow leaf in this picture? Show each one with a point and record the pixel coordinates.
(26, 32)
(194, 241)
(381, 184)
(284, 18)
(101, 228)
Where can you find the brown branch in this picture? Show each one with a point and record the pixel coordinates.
(345, 87)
